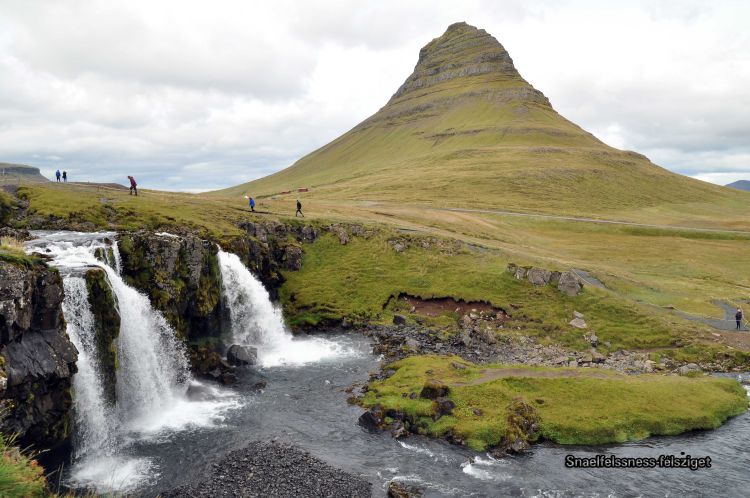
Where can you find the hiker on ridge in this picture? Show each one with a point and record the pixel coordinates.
(57, 175)
(738, 318)
(299, 209)
(133, 186)
(65, 176)
(252, 204)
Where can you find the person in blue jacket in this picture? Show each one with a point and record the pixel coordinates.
(252, 204)
(57, 175)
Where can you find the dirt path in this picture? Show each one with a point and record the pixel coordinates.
(490, 374)
(588, 220)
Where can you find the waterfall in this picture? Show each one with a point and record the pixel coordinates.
(93, 418)
(152, 378)
(153, 368)
(117, 257)
(257, 322)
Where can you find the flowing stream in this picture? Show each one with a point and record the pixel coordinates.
(166, 428)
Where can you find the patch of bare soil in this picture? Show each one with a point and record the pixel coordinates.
(443, 305)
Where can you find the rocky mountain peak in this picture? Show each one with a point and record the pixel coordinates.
(462, 51)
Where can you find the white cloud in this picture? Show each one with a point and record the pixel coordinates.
(190, 95)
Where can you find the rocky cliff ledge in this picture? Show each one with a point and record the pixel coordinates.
(37, 360)
(181, 277)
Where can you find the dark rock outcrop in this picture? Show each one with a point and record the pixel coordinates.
(209, 364)
(180, 275)
(107, 322)
(37, 360)
(270, 247)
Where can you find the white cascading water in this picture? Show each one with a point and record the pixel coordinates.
(153, 369)
(93, 418)
(152, 379)
(257, 322)
(117, 257)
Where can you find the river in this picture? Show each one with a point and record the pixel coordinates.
(305, 403)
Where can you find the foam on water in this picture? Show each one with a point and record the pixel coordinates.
(110, 473)
(486, 469)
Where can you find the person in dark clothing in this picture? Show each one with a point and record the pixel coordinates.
(57, 175)
(252, 204)
(65, 176)
(738, 318)
(299, 209)
(133, 186)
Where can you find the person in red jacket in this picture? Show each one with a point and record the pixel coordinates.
(133, 186)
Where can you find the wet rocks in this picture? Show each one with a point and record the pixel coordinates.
(373, 418)
(209, 364)
(264, 469)
(398, 489)
(242, 355)
(107, 322)
(37, 359)
(399, 319)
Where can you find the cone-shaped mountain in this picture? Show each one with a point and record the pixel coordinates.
(466, 130)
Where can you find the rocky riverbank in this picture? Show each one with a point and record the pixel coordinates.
(480, 339)
(273, 469)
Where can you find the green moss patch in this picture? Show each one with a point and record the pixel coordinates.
(574, 406)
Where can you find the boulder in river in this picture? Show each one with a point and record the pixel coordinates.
(398, 489)
(372, 419)
(242, 355)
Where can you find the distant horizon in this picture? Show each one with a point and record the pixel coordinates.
(50, 175)
(266, 84)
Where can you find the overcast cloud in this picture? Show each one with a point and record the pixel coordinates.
(195, 95)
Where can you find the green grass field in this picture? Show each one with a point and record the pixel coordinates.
(644, 269)
(575, 406)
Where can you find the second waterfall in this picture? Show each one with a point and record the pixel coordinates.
(255, 321)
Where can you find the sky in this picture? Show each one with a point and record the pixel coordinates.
(194, 95)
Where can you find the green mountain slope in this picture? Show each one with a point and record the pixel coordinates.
(466, 130)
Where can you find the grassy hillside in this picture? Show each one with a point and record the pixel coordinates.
(466, 130)
(687, 269)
